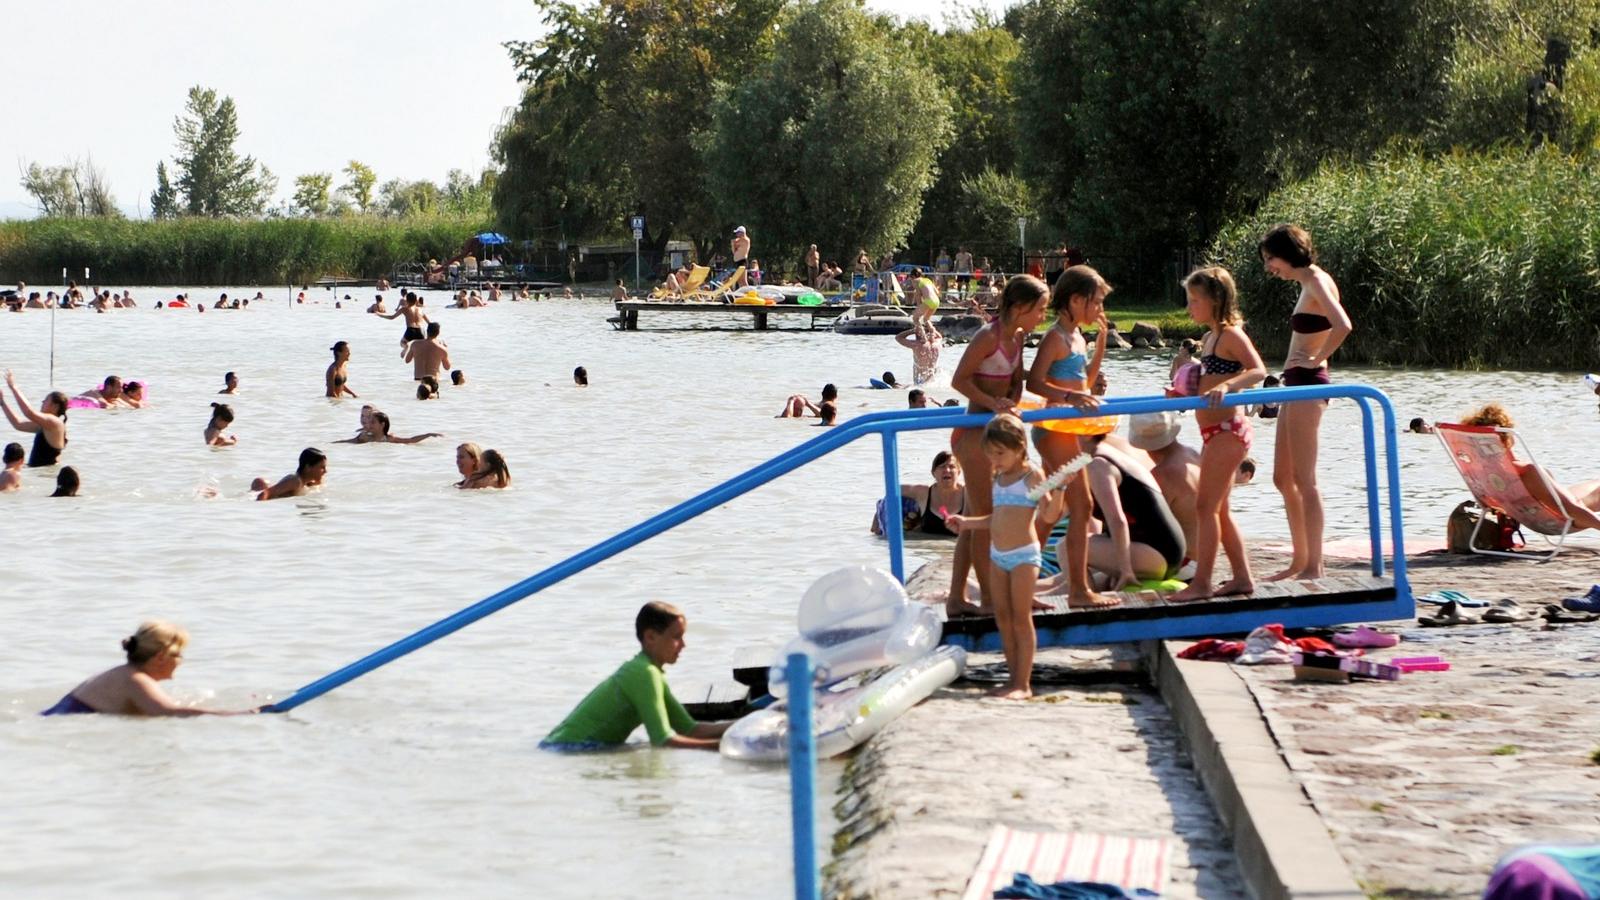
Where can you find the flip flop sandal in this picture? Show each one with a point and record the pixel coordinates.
(1449, 614)
(1555, 615)
(1442, 597)
(1504, 614)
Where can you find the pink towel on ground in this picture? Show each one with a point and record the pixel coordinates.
(1053, 856)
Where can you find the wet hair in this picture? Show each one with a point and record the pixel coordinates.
(153, 639)
(828, 412)
(13, 453)
(221, 412)
(1076, 281)
(339, 345)
(492, 462)
(382, 418)
(888, 378)
(1416, 426)
(1021, 291)
(1248, 466)
(428, 388)
(655, 616)
(940, 458)
(1273, 381)
(1190, 345)
(458, 377)
(475, 451)
(229, 377)
(580, 375)
(1493, 415)
(133, 387)
(1216, 283)
(112, 381)
(60, 400)
(311, 456)
(915, 395)
(433, 329)
(952, 402)
(1290, 243)
(1006, 431)
(66, 482)
(829, 392)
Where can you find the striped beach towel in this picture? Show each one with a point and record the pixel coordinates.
(1053, 856)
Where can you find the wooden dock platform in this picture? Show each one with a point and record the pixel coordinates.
(1147, 615)
(627, 318)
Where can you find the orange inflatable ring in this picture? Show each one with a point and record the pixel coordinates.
(1084, 425)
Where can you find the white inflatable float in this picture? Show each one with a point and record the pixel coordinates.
(858, 624)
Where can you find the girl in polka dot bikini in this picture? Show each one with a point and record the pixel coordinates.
(1228, 362)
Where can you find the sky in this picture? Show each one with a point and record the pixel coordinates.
(412, 89)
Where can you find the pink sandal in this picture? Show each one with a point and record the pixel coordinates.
(1365, 638)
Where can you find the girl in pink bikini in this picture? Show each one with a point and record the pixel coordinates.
(1228, 362)
(990, 376)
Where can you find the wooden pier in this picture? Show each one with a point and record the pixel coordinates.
(1148, 615)
(627, 318)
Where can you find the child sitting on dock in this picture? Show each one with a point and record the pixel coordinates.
(637, 693)
(1012, 526)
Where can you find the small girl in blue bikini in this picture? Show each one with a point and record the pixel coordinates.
(1014, 546)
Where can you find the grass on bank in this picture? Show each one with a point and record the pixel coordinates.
(1475, 260)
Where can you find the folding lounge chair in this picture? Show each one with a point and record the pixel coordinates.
(713, 293)
(1485, 465)
(691, 285)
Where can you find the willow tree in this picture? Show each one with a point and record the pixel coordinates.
(833, 141)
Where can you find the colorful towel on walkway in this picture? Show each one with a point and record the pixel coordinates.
(1049, 857)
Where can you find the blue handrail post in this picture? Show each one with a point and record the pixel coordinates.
(802, 778)
(893, 530)
(1374, 520)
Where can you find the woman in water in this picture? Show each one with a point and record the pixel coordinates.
(1014, 524)
(48, 425)
(1062, 372)
(1228, 362)
(154, 652)
(492, 472)
(133, 395)
(990, 377)
(1579, 502)
(67, 482)
(924, 506)
(313, 467)
(221, 417)
(338, 374)
(1320, 325)
(375, 430)
(799, 405)
(468, 456)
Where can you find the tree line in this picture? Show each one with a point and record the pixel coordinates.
(209, 177)
(1136, 129)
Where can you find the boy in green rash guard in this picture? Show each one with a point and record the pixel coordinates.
(637, 694)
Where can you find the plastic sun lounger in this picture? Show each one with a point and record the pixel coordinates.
(712, 293)
(1485, 465)
(690, 286)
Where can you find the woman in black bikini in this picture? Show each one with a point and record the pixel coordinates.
(1142, 540)
(48, 424)
(931, 502)
(339, 372)
(1320, 325)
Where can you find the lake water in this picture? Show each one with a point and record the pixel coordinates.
(423, 777)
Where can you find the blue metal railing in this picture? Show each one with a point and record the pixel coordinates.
(889, 425)
(802, 755)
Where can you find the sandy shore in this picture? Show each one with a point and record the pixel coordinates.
(918, 802)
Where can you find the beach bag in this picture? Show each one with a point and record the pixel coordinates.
(1501, 532)
(910, 516)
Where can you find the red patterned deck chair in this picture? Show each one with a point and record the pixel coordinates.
(1485, 465)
